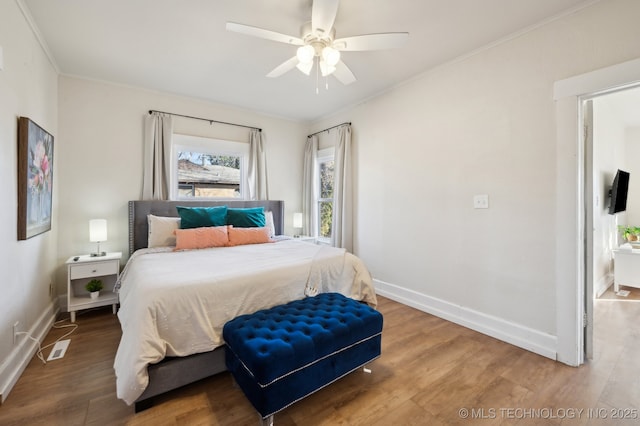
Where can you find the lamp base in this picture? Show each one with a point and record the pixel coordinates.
(99, 254)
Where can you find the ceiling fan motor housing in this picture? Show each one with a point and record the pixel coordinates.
(316, 39)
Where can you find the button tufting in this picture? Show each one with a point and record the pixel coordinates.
(306, 327)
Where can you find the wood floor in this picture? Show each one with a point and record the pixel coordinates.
(431, 372)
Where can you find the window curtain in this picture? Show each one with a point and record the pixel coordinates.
(257, 173)
(342, 221)
(309, 187)
(158, 129)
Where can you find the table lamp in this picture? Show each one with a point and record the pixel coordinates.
(97, 234)
(297, 222)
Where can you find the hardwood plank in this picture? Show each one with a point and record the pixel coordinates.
(429, 370)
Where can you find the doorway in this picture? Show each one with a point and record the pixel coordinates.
(612, 142)
(572, 265)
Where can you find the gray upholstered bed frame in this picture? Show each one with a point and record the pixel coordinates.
(173, 373)
(138, 211)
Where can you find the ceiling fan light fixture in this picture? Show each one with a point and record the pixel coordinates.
(305, 67)
(330, 55)
(318, 45)
(326, 69)
(305, 54)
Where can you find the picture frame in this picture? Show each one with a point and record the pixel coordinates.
(35, 179)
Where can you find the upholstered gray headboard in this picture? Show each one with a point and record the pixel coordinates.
(138, 211)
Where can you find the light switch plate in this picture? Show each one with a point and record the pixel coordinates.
(59, 349)
(481, 201)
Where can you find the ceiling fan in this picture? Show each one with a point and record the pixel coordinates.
(318, 43)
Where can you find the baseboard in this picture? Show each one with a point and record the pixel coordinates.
(518, 335)
(603, 284)
(12, 367)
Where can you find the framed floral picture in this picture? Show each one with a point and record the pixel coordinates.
(35, 179)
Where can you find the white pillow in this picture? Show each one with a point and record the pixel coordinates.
(161, 231)
(268, 217)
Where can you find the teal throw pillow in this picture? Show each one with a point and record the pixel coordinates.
(252, 217)
(198, 217)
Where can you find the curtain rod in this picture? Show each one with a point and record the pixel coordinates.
(329, 128)
(206, 119)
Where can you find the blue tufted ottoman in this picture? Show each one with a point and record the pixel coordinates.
(280, 355)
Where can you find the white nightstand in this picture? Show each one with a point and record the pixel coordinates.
(82, 269)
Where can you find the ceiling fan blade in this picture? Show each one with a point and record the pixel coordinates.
(262, 33)
(323, 15)
(371, 41)
(344, 74)
(284, 67)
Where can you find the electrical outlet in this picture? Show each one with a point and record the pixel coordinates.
(481, 201)
(15, 331)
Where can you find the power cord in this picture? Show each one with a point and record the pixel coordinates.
(55, 325)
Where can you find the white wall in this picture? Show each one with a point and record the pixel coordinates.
(483, 125)
(609, 153)
(101, 160)
(28, 87)
(632, 149)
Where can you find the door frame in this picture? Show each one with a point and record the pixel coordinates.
(571, 197)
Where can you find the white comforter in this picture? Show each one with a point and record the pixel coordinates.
(176, 303)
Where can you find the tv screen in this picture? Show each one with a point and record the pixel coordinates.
(619, 192)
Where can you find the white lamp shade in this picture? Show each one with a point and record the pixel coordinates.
(326, 69)
(305, 67)
(297, 220)
(305, 54)
(331, 56)
(97, 230)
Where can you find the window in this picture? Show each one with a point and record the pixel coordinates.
(207, 168)
(325, 170)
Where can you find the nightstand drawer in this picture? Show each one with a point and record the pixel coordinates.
(94, 270)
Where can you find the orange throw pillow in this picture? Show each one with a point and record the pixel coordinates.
(199, 238)
(241, 236)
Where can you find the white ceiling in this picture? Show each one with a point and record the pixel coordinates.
(182, 47)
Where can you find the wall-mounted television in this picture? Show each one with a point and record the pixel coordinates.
(618, 192)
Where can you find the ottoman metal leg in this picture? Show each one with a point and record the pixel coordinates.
(267, 421)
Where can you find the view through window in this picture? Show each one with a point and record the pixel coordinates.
(325, 200)
(207, 168)
(202, 175)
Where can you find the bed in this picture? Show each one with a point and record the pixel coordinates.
(173, 304)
